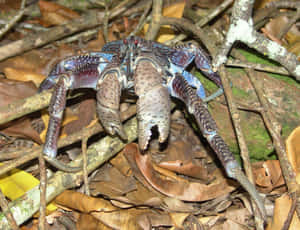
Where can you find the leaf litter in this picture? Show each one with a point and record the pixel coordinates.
(140, 191)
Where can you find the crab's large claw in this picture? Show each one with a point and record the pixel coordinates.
(153, 105)
(108, 103)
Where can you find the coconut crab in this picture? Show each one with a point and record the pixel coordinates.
(153, 72)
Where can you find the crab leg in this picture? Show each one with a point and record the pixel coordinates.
(180, 88)
(153, 105)
(56, 109)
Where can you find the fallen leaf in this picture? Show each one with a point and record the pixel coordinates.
(281, 210)
(183, 190)
(55, 14)
(17, 182)
(21, 75)
(268, 175)
(11, 91)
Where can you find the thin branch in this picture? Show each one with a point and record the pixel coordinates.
(14, 20)
(7, 212)
(218, 10)
(155, 20)
(287, 170)
(257, 66)
(98, 153)
(241, 140)
(88, 21)
(84, 166)
(241, 29)
(78, 136)
(142, 20)
(42, 187)
(105, 21)
(188, 26)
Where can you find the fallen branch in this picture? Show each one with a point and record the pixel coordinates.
(24, 207)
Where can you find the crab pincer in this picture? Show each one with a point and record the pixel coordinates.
(153, 105)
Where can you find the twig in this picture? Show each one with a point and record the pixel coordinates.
(84, 166)
(142, 20)
(24, 207)
(257, 66)
(289, 218)
(34, 153)
(33, 40)
(219, 9)
(156, 16)
(284, 4)
(43, 187)
(241, 29)
(188, 26)
(241, 140)
(7, 212)
(88, 21)
(287, 170)
(291, 22)
(16, 18)
(105, 21)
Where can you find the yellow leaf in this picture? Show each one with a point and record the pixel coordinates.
(165, 32)
(16, 182)
(22, 75)
(281, 210)
(293, 151)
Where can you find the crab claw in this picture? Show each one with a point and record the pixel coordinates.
(108, 102)
(153, 105)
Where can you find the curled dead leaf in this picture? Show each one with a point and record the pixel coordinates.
(181, 189)
(268, 175)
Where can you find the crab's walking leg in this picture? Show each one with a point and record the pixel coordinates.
(180, 88)
(153, 105)
(56, 109)
(108, 103)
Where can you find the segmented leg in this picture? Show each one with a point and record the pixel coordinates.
(67, 78)
(56, 109)
(153, 105)
(108, 103)
(180, 88)
(87, 63)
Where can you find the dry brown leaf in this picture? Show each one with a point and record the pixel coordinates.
(24, 75)
(11, 91)
(83, 203)
(85, 113)
(88, 222)
(293, 151)
(185, 153)
(281, 210)
(55, 14)
(183, 190)
(283, 203)
(133, 219)
(268, 175)
(110, 182)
